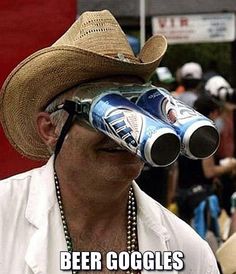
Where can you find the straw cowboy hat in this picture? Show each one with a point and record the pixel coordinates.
(94, 47)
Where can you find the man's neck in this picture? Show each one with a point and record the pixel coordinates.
(93, 205)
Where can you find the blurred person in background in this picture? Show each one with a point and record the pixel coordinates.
(179, 86)
(191, 79)
(220, 89)
(198, 179)
(165, 79)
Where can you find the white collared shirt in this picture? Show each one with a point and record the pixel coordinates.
(32, 236)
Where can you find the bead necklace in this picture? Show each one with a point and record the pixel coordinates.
(132, 241)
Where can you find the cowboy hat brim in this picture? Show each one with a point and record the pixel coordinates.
(49, 72)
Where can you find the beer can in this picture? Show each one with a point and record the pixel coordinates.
(198, 134)
(131, 127)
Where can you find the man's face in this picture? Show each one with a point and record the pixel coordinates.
(90, 152)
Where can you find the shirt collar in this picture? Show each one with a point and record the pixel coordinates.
(150, 212)
(42, 196)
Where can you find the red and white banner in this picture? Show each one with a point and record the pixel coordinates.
(197, 28)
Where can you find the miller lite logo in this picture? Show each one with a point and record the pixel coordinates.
(126, 125)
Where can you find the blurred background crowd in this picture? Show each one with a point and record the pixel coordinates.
(201, 192)
(198, 69)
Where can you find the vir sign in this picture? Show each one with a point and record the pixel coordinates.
(199, 28)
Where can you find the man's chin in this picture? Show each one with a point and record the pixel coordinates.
(128, 171)
(121, 165)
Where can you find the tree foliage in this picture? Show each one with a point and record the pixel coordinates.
(211, 56)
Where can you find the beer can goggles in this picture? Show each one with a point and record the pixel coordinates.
(79, 106)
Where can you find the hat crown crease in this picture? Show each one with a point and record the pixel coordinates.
(98, 32)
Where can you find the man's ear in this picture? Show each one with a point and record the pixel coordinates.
(46, 129)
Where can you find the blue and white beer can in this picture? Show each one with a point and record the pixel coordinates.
(198, 134)
(131, 127)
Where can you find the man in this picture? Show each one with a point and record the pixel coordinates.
(202, 172)
(221, 90)
(82, 199)
(191, 77)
